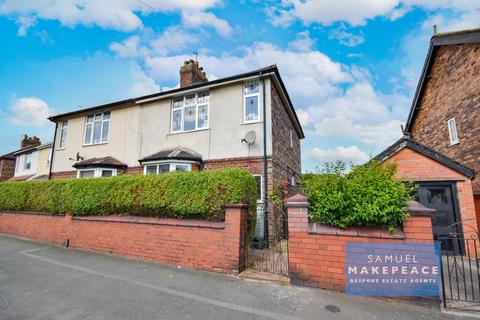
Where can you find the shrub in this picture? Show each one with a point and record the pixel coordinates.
(368, 195)
(201, 195)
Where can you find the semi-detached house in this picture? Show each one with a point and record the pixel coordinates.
(246, 120)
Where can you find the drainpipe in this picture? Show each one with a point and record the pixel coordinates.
(53, 151)
(265, 170)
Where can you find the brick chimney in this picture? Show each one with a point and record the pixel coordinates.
(29, 142)
(191, 73)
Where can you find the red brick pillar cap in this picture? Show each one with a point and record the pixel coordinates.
(297, 200)
(415, 208)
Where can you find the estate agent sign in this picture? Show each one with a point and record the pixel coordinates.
(393, 269)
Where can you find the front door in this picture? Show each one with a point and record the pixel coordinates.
(441, 198)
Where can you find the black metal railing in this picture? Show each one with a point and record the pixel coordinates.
(460, 272)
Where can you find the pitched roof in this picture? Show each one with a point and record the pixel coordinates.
(8, 156)
(107, 162)
(438, 40)
(429, 153)
(262, 71)
(173, 154)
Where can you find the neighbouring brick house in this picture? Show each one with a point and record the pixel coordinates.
(7, 166)
(245, 120)
(441, 146)
(445, 113)
(30, 162)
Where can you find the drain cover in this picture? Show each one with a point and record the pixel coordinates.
(332, 308)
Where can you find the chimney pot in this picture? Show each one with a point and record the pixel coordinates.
(191, 73)
(28, 142)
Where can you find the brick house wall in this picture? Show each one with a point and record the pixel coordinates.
(286, 158)
(7, 169)
(414, 166)
(205, 245)
(452, 91)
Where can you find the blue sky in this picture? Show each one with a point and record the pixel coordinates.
(350, 66)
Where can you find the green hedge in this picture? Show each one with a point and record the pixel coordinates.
(200, 195)
(368, 195)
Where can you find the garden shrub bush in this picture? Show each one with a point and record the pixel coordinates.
(200, 195)
(368, 195)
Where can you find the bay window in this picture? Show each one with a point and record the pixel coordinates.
(97, 128)
(190, 112)
(96, 173)
(161, 167)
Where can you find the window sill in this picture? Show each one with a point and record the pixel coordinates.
(60, 148)
(191, 131)
(250, 122)
(94, 144)
(454, 144)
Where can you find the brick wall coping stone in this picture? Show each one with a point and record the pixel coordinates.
(369, 232)
(153, 221)
(34, 213)
(415, 208)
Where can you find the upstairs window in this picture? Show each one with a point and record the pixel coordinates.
(190, 112)
(27, 161)
(49, 156)
(251, 94)
(452, 130)
(97, 128)
(63, 134)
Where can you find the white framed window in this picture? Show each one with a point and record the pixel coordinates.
(251, 104)
(97, 128)
(452, 130)
(161, 167)
(63, 134)
(49, 156)
(190, 112)
(27, 161)
(259, 180)
(96, 173)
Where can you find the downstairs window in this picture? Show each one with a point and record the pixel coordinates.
(157, 168)
(96, 173)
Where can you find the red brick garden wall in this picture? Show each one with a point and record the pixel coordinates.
(212, 246)
(317, 255)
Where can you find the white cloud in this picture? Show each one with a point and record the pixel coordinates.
(127, 48)
(356, 12)
(142, 84)
(29, 111)
(350, 154)
(303, 42)
(195, 19)
(346, 38)
(24, 23)
(376, 134)
(120, 15)
(173, 39)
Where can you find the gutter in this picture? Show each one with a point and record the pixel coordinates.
(53, 151)
(265, 163)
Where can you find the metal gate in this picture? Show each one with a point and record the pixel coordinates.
(267, 248)
(460, 266)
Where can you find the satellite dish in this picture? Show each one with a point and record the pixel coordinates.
(250, 137)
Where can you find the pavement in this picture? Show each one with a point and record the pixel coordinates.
(40, 281)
